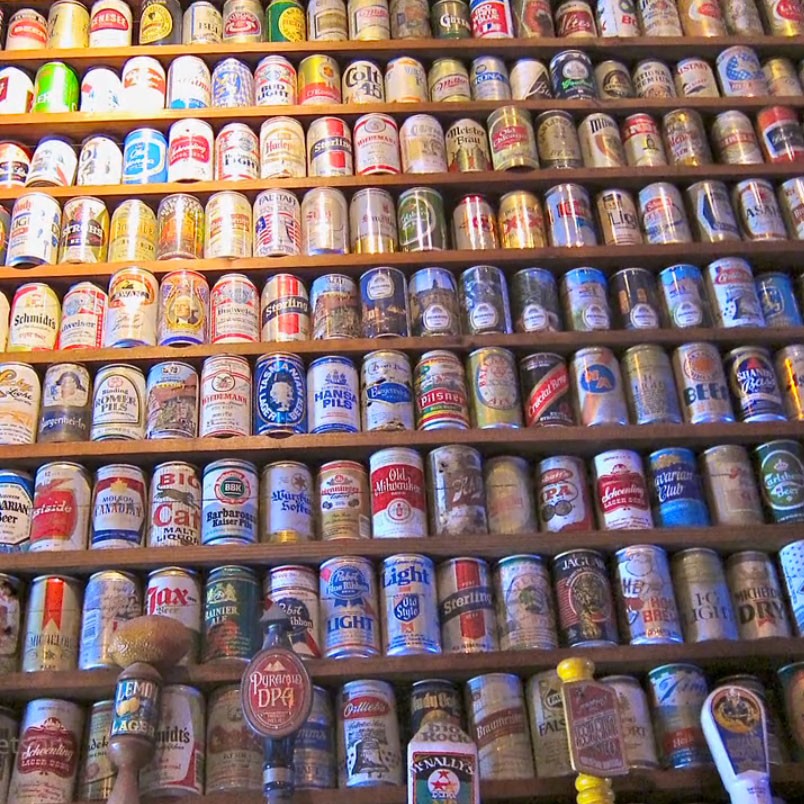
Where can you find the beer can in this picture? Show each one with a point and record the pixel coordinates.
(557, 140)
(65, 414)
(349, 608)
(434, 308)
(175, 518)
(286, 503)
(20, 395)
(790, 678)
(491, 19)
(11, 598)
(15, 162)
(493, 389)
(621, 493)
(791, 201)
(237, 153)
(343, 501)
(16, 503)
(396, 480)
(83, 321)
(84, 231)
(601, 146)
(520, 219)
(410, 19)
(488, 79)
(369, 751)
(362, 82)
(789, 363)
(548, 725)
(572, 76)
(466, 606)
(19, 94)
(474, 224)
(329, 148)
(613, 78)
(575, 20)
(405, 81)
(53, 164)
(183, 309)
(546, 387)
(701, 384)
(52, 628)
(319, 80)
(451, 19)
(599, 396)
(734, 139)
(176, 592)
(119, 507)
(110, 598)
(33, 231)
(662, 215)
(712, 213)
(702, 595)
(234, 309)
(642, 141)
(457, 500)
(790, 562)
(618, 219)
(34, 318)
(699, 18)
(780, 465)
(780, 73)
(225, 397)
(286, 21)
(325, 222)
(96, 774)
(586, 615)
(757, 596)
(383, 295)
(753, 384)
(27, 30)
(386, 388)
(731, 289)
(132, 232)
(132, 310)
(467, 147)
(677, 693)
(513, 143)
(191, 146)
(202, 24)
(562, 492)
(483, 297)
(780, 134)
(422, 146)
(731, 489)
(509, 495)
(282, 150)
(229, 503)
(534, 301)
(34, 776)
(326, 21)
(275, 82)
(145, 155)
(335, 306)
(742, 18)
(232, 84)
(56, 88)
(650, 387)
(333, 401)
(101, 91)
(229, 229)
(740, 72)
(61, 503)
(497, 720)
(640, 746)
(635, 299)
(295, 590)
(408, 599)
(189, 84)
(118, 404)
(143, 85)
(372, 222)
(177, 766)
(524, 598)
(285, 309)
(448, 81)
(683, 297)
(243, 21)
(180, 224)
(376, 145)
(584, 299)
(230, 625)
(569, 216)
(421, 221)
(280, 395)
(652, 78)
(757, 210)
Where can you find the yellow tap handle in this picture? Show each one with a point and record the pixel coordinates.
(591, 789)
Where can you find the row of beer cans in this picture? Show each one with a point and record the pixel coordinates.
(454, 493)
(356, 737)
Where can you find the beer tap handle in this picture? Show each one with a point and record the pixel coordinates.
(126, 787)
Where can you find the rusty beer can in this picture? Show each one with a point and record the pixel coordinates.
(509, 495)
(457, 499)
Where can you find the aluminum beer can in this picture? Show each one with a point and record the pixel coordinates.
(509, 495)
(52, 626)
(483, 297)
(693, 77)
(493, 389)
(599, 396)
(780, 135)
(384, 296)
(676, 693)
(791, 201)
(676, 488)
(15, 161)
(789, 363)
(144, 85)
(118, 404)
(333, 396)
(584, 299)
(489, 80)
(448, 81)
(466, 606)
(702, 595)
(421, 221)
(601, 145)
(457, 500)
(544, 380)
(362, 82)
(243, 21)
(33, 231)
(175, 518)
(569, 216)
(343, 501)
(171, 406)
(189, 84)
(372, 222)
(110, 598)
(396, 481)
(640, 746)
(282, 149)
(53, 163)
(422, 145)
(234, 308)
(712, 213)
(237, 153)
(229, 503)
(740, 73)
(132, 232)
(319, 80)
(731, 489)
(791, 561)
(662, 215)
(180, 223)
(474, 225)
(433, 302)
(408, 599)
(650, 386)
(349, 610)
(101, 91)
(295, 590)
(329, 148)
(562, 495)
(575, 19)
(61, 504)
(491, 19)
(386, 391)
(285, 309)
(467, 147)
(758, 211)
(753, 384)
(16, 503)
(11, 598)
(145, 153)
(230, 625)
(757, 596)
(685, 138)
(780, 465)
(314, 747)
(586, 616)
(286, 503)
(683, 297)
(225, 397)
(27, 30)
(405, 81)
(440, 392)
(376, 145)
(731, 289)
(572, 75)
(701, 384)
(96, 774)
(176, 592)
(369, 751)
(652, 79)
(534, 301)
(645, 595)
(280, 395)
(734, 139)
(202, 24)
(548, 726)
(34, 318)
(232, 84)
(325, 222)
(335, 305)
(83, 321)
(275, 82)
(229, 230)
(618, 219)
(65, 413)
(498, 722)
(132, 311)
(183, 309)
(524, 598)
(521, 221)
(621, 493)
(642, 141)
(613, 78)
(119, 507)
(512, 140)
(19, 94)
(191, 145)
(635, 299)
(451, 19)
(20, 395)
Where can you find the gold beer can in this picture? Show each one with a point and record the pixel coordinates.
(520, 219)
(132, 233)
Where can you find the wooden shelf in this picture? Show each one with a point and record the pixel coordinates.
(531, 442)
(768, 254)
(520, 343)
(451, 185)
(725, 540)
(672, 48)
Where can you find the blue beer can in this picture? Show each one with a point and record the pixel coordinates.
(409, 605)
(16, 505)
(791, 560)
(683, 296)
(145, 157)
(280, 398)
(384, 303)
(229, 503)
(232, 84)
(753, 384)
(572, 76)
(677, 489)
(777, 300)
(584, 297)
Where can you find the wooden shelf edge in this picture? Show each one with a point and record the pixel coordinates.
(491, 547)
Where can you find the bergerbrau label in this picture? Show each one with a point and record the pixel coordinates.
(443, 776)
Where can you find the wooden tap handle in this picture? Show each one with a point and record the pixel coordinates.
(126, 787)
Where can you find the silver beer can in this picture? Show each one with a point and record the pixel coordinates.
(510, 502)
(732, 494)
(548, 725)
(466, 606)
(757, 595)
(640, 744)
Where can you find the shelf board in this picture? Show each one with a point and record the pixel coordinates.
(521, 344)
(717, 657)
(492, 547)
(534, 441)
(452, 185)
(599, 48)
(772, 253)
(31, 127)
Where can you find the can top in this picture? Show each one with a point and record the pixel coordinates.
(674, 667)
(11, 580)
(691, 552)
(623, 679)
(386, 354)
(633, 548)
(172, 571)
(68, 579)
(113, 573)
(520, 557)
(509, 678)
(576, 551)
(747, 555)
(229, 463)
(472, 559)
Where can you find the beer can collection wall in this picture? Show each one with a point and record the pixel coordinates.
(284, 283)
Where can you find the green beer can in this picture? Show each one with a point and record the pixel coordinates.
(421, 220)
(285, 21)
(56, 88)
(781, 479)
